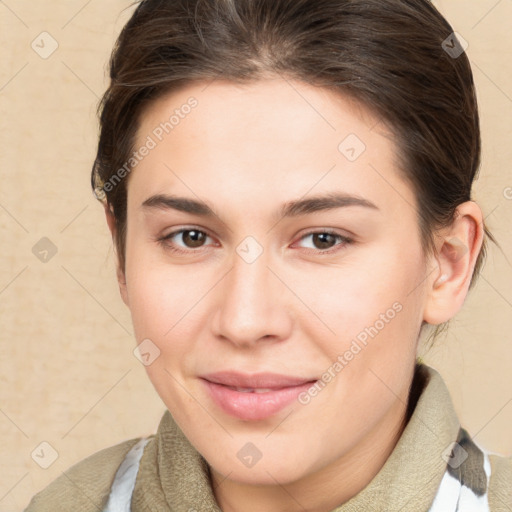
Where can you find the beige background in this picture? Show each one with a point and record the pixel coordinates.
(67, 373)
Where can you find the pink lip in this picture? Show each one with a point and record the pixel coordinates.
(283, 390)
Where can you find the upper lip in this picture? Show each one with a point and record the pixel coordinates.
(255, 381)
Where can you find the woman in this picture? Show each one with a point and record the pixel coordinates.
(288, 187)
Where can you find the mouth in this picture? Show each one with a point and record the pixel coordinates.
(254, 397)
(251, 390)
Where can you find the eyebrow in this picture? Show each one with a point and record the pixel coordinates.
(289, 209)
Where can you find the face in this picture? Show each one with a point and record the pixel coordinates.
(273, 259)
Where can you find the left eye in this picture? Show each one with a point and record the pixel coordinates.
(325, 240)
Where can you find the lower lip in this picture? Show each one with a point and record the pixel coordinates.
(253, 406)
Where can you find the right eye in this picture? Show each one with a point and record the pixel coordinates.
(190, 238)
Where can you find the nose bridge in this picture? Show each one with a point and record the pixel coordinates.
(250, 306)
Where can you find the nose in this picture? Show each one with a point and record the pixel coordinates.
(252, 304)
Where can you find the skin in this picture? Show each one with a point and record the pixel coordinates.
(245, 151)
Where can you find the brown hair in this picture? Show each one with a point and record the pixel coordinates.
(393, 56)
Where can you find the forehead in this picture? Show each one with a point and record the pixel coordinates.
(265, 106)
(270, 137)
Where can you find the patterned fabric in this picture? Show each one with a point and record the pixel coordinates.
(465, 484)
(122, 488)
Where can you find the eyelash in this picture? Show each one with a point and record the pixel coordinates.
(164, 241)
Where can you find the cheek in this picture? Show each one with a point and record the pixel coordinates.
(166, 304)
(145, 295)
(370, 282)
(159, 294)
(376, 319)
(161, 306)
(149, 298)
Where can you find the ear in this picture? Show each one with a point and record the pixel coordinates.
(457, 249)
(112, 226)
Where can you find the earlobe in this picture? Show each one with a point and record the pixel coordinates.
(457, 250)
(121, 279)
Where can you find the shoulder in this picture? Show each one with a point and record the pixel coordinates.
(86, 485)
(500, 483)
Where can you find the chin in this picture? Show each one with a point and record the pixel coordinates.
(284, 465)
(269, 474)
